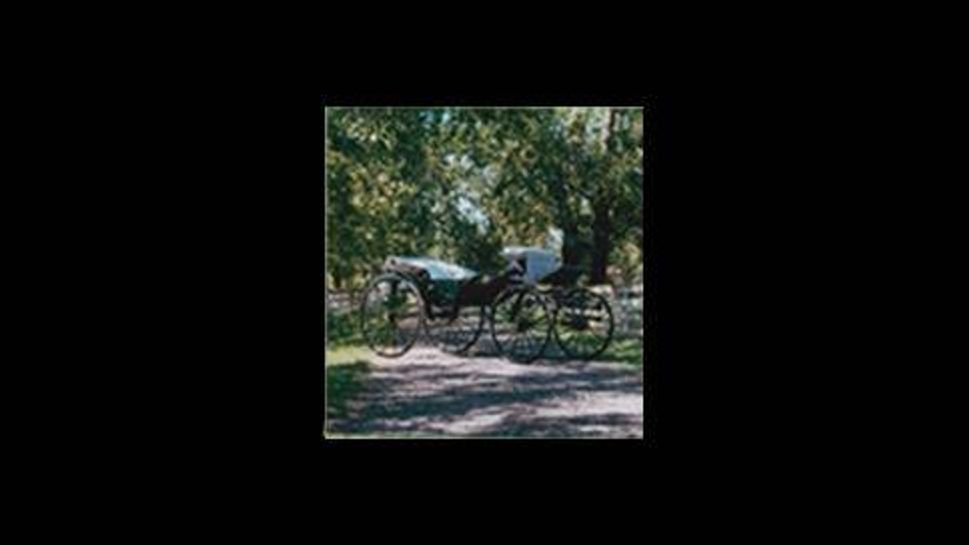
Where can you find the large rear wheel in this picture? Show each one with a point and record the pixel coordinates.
(391, 315)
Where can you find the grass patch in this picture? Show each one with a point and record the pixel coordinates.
(346, 368)
(346, 355)
(346, 362)
(343, 329)
(628, 350)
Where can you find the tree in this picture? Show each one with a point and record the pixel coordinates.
(459, 183)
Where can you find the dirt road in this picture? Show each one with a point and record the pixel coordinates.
(429, 393)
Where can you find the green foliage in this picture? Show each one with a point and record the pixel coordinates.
(459, 183)
(343, 328)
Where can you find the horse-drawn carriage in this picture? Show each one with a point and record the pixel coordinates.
(534, 299)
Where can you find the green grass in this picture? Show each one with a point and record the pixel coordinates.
(347, 354)
(627, 350)
(343, 329)
(346, 360)
(346, 368)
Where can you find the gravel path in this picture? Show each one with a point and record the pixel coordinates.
(430, 393)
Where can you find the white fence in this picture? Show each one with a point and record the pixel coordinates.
(628, 309)
(339, 301)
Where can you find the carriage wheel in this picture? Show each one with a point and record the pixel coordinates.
(583, 324)
(391, 315)
(521, 324)
(456, 330)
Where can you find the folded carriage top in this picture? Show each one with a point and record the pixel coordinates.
(436, 269)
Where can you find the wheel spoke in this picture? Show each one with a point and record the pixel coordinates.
(520, 324)
(584, 324)
(391, 315)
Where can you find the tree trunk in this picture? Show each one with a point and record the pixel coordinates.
(570, 246)
(602, 243)
(602, 223)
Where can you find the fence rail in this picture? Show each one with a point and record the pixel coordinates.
(339, 302)
(626, 303)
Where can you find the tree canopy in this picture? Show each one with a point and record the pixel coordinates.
(460, 183)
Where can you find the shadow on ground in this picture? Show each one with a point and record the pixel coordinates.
(430, 393)
(628, 350)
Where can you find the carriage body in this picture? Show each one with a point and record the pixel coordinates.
(446, 285)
